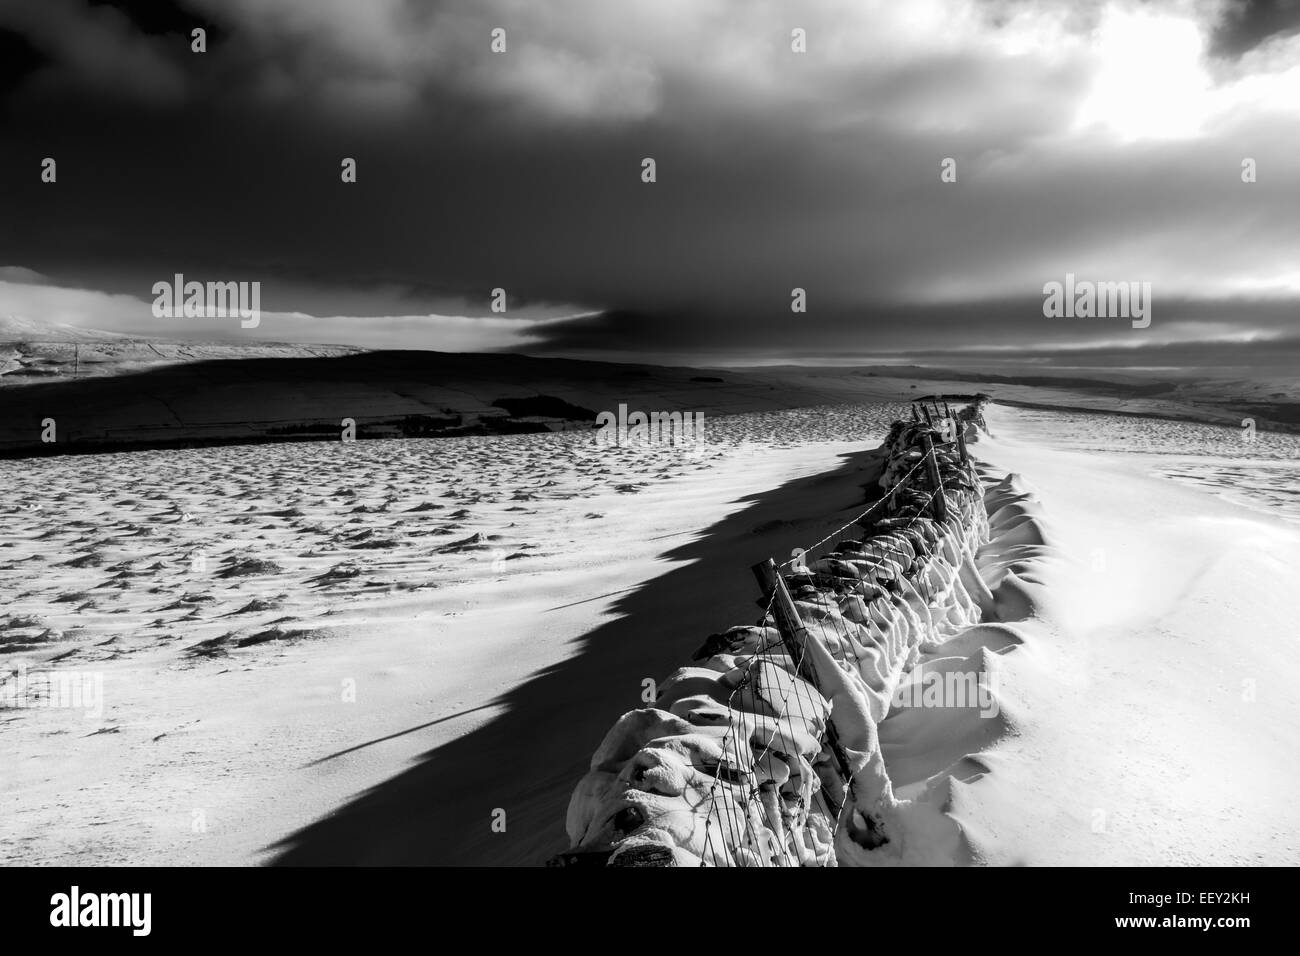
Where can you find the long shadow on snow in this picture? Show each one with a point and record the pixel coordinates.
(527, 760)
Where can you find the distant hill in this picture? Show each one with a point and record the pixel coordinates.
(107, 392)
(14, 329)
(35, 351)
(304, 396)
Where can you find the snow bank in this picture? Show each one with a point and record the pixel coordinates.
(767, 751)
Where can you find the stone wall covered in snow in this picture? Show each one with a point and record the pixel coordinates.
(763, 750)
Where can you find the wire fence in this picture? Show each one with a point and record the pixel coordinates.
(782, 789)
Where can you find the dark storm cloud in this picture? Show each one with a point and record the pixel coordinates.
(18, 59)
(1246, 24)
(157, 18)
(1005, 325)
(522, 170)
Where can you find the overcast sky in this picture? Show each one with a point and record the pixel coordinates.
(1104, 139)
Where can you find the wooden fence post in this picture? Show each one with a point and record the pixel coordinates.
(793, 635)
(932, 467)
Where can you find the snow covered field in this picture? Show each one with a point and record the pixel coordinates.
(417, 633)
(1255, 468)
(251, 610)
(1152, 706)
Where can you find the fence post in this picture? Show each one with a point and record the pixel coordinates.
(793, 634)
(961, 440)
(932, 467)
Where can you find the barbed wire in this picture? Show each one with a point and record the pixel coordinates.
(752, 803)
(874, 505)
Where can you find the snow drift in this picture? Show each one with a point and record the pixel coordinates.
(767, 749)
